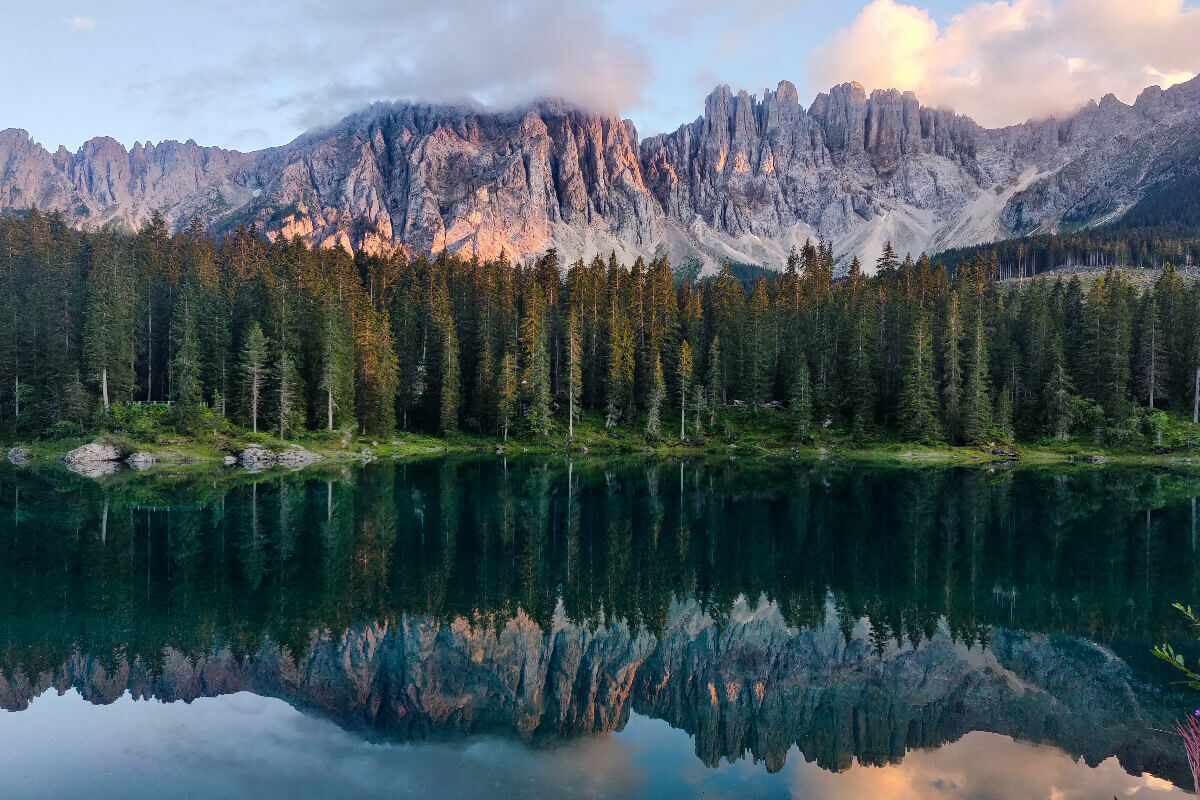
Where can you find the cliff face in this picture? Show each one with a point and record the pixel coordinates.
(751, 685)
(746, 181)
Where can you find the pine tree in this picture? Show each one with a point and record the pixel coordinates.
(658, 395)
(620, 371)
(1002, 419)
(760, 344)
(506, 393)
(918, 392)
(685, 376)
(976, 403)
(952, 376)
(186, 390)
(1058, 397)
(376, 369)
(535, 378)
(448, 396)
(336, 378)
(716, 379)
(254, 372)
(1149, 367)
(574, 373)
(860, 334)
(289, 409)
(802, 399)
(108, 329)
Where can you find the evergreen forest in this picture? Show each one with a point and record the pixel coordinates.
(279, 339)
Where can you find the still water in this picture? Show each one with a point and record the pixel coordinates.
(491, 628)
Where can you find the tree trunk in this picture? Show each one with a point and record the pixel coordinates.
(17, 397)
(1196, 400)
(570, 412)
(329, 405)
(104, 388)
(149, 348)
(683, 411)
(254, 402)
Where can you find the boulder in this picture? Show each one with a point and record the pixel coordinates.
(18, 455)
(93, 453)
(141, 460)
(257, 458)
(229, 461)
(297, 456)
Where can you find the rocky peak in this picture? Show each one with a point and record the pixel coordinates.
(746, 181)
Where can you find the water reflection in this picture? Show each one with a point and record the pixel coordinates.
(793, 613)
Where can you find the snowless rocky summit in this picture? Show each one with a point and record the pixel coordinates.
(747, 180)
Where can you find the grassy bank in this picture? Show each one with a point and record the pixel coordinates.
(739, 434)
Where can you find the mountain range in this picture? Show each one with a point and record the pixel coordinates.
(746, 181)
(749, 685)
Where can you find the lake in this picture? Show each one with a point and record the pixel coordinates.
(544, 628)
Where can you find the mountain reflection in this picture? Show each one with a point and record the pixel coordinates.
(853, 614)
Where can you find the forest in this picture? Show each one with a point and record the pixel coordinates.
(276, 337)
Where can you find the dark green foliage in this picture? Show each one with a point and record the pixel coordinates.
(315, 338)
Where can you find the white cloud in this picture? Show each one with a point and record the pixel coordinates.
(1007, 61)
(330, 59)
(80, 23)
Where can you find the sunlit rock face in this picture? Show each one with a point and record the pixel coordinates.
(748, 685)
(747, 181)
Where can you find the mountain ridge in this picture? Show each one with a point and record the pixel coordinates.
(746, 181)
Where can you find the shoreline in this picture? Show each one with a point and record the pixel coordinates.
(184, 454)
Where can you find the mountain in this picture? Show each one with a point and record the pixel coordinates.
(746, 181)
(748, 685)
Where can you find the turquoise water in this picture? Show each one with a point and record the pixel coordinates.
(472, 628)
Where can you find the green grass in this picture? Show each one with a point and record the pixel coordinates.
(740, 433)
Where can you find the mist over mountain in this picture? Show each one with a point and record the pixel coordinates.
(746, 181)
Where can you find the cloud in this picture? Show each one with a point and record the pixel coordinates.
(330, 59)
(1008, 61)
(80, 23)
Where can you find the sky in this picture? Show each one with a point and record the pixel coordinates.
(247, 74)
(242, 745)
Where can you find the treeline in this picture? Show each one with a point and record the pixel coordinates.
(1096, 248)
(282, 337)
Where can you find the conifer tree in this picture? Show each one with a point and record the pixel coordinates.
(376, 369)
(253, 365)
(1002, 419)
(506, 393)
(976, 402)
(918, 391)
(336, 377)
(108, 328)
(658, 395)
(535, 378)
(574, 373)
(620, 371)
(760, 343)
(952, 376)
(448, 394)
(716, 379)
(685, 376)
(1149, 366)
(1058, 397)
(186, 390)
(802, 399)
(289, 409)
